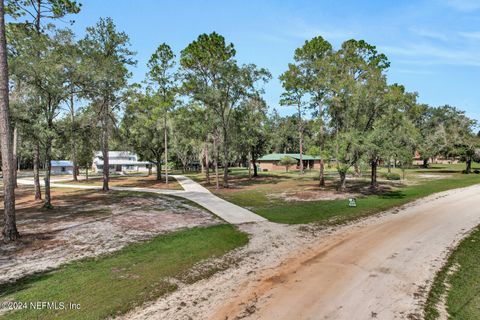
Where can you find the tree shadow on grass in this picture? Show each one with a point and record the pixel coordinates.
(393, 194)
(23, 283)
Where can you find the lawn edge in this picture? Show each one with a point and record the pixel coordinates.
(438, 289)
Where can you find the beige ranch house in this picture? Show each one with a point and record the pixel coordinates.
(120, 162)
(270, 162)
(418, 160)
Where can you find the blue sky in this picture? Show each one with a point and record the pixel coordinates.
(433, 45)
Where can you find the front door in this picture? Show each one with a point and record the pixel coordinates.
(119, 168)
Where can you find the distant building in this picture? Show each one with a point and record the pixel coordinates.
(61, 167)
(418, 159)
(120, 162)
(270, 162)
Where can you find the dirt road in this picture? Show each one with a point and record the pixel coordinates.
(380, 269)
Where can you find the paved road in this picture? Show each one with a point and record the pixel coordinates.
(375, 270)
(193, 191)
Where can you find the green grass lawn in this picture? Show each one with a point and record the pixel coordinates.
(256, 195)
(305, 212)
(461, 274)
(113, 284)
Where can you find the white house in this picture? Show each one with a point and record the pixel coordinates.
(61, 167)
(120, 162)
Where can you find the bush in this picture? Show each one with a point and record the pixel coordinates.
(393, 176)
(476, 171)
(287, 162)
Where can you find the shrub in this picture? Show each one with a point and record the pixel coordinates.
(393, 176)
(287, 162)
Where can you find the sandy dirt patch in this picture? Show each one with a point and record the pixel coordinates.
(312, 195)
(139, 181)
(433, 176)
(379, 267)
(88, 223)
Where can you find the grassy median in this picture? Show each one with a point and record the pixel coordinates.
(258, 197)
(461, 275)
(110, 285)
(338, 210)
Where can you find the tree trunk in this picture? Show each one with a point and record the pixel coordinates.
(15, 157)
(425, 163)
(74, 161)
(9, 232)
(321, 179)
(36, 171)
(225, 158)
(301, 155)
(373, 180)
(342, 187)
(149, 170)
(166, 149)
(249, 165)
(207, 162)
(322, 174)
(184, 167)
(86, 173)
(357, 170)
(36, 155)
(48, 162)
(254, 163)
(390, 165)
(215, 161)
(72, 137)
(300, 136)
(158, 163)
(469, 166)
(106, 162)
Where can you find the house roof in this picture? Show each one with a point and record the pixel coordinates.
(61, 163)
(122, 162)
(114, 154)
(279, 156)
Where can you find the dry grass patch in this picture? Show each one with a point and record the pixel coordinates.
(140, 181)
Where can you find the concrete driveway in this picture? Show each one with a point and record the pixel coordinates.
(193, 191)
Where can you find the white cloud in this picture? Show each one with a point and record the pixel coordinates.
(475, 35)
(429, 34)
(462, 5)
(428, 54)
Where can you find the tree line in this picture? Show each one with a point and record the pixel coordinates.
(64, 97)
